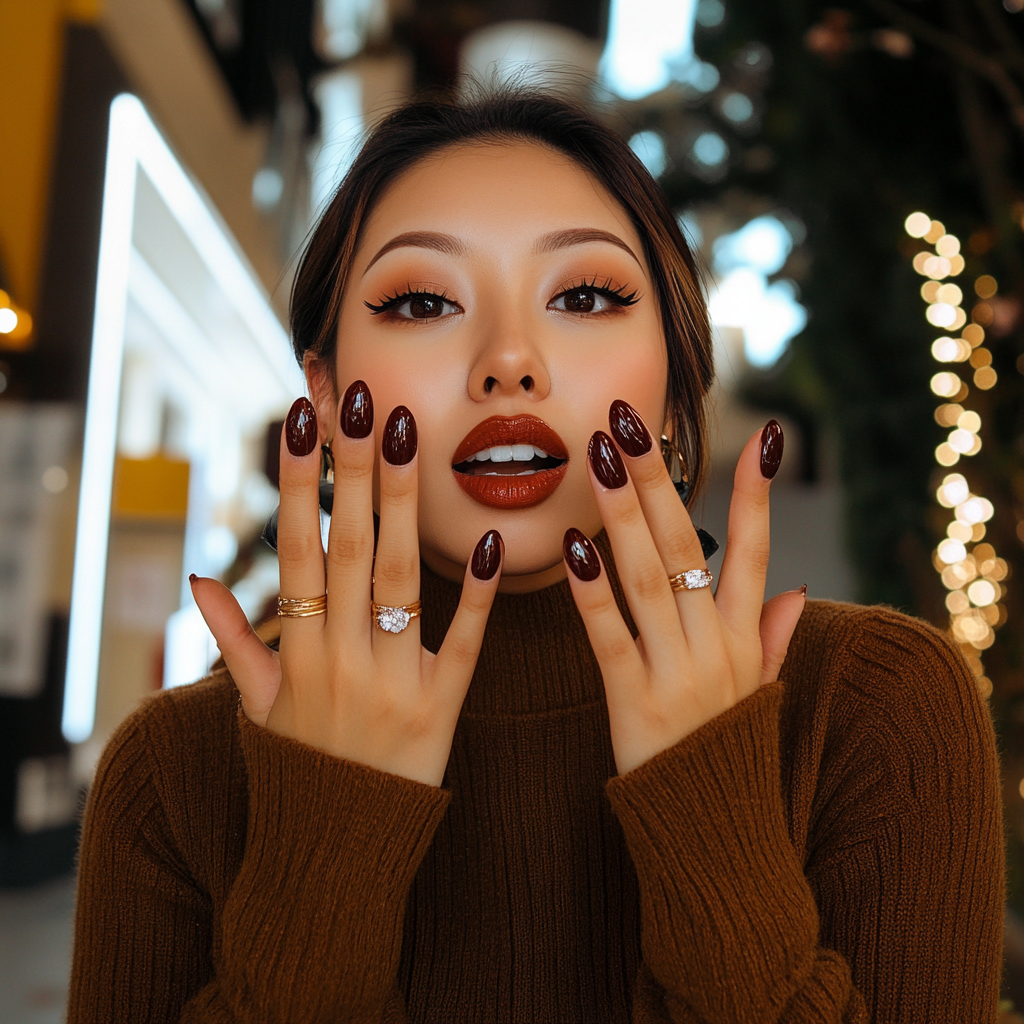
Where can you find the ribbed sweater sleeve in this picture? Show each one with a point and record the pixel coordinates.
(905, 882)
(729, 924)
(312, 927)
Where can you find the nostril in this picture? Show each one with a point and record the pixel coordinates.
(489, 384)
(527, 383)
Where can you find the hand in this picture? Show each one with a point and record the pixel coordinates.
(696, 655)
(340, 682)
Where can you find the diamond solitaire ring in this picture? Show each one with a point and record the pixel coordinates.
(394, 620)
(692, 579)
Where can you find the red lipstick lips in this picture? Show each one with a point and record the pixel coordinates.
(510, 462)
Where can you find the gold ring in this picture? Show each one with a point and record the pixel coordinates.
(692, 579)
(301, 607)
(394, 619)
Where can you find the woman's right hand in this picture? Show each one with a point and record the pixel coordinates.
(340, 683)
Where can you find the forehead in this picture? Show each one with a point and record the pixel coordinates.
(485, 191)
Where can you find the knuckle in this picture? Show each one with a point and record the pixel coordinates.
(347, 548)
(650, 582)
(628, 514)
(618, 649)
(299, 552)
(462, 650)
(397, 571)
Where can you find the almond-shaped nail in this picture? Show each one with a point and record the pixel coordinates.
(628, 429)
(772, 443)
(300, 428)
(357, 411)
(486, 556)
(400, 441)
(803, 590)
(192, 577)
(607, 462)
(581, 555)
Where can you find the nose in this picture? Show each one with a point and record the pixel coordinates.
(508, 365)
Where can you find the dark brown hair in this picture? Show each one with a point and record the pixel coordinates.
(419, 129)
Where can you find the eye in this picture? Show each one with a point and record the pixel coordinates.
(592, 298)
(415, 306)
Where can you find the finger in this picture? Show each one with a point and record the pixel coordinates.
(299, 547)
(254, 667)
(779, 617)
(674, 534)
(396, 568)
(613, 645)
(456, 660)
(350, 545)
(641, 570)
(741, 588)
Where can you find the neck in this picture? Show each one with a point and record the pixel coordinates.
(508, 584)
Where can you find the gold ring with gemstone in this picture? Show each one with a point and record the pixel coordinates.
(301, 607)
(393, 619)
(692, 579)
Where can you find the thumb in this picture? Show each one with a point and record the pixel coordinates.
(254, 667)
(779, 617)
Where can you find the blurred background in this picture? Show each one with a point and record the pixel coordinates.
(850, 176)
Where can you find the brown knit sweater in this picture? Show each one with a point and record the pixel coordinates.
(828, 850)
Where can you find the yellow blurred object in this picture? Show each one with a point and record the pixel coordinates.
(974, 335)
(985, 378)
(956, 265)
(15, 327)
(985, 287)
(934, 232)
(155, 488)
(981, 357)
(917, 225)
(948, 246)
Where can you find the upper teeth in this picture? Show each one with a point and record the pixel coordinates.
(509, 453)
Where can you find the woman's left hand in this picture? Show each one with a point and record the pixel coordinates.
(697, 654)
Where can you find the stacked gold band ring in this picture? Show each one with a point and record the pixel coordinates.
(394, 619)
(301, 607)
(692, 579)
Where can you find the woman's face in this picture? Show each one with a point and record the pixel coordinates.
(501, 294)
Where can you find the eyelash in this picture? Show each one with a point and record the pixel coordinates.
(618, 296)
(389, 302)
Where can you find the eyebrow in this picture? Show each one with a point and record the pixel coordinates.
(580, 236)
(451, 246)
(435, 240)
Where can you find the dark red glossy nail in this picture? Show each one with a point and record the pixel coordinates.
(487, 556)
(628, 429)
(803, 590)
(772, 443)
(607, 462)
(399, 445)
(300, 427)
(357, 411)
(581, 555)
(192, 577)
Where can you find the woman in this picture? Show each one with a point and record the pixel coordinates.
(504, 772)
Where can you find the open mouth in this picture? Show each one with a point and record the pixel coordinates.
(510, 462)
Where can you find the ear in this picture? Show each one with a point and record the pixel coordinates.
(323, 391)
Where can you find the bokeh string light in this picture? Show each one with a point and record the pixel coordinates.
(971, 571)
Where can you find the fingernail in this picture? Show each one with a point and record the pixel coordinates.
(192, 577)
(607, 462)
(628, 429)
(803, 590)
(486, 556)
(772, 443)
(300, 427)
(581, 555)
(399, 445)
(357, 411)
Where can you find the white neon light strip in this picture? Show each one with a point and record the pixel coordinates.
(135, 143)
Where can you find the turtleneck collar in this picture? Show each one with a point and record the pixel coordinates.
(536, 656)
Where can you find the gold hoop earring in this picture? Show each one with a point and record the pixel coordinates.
(676, 468)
